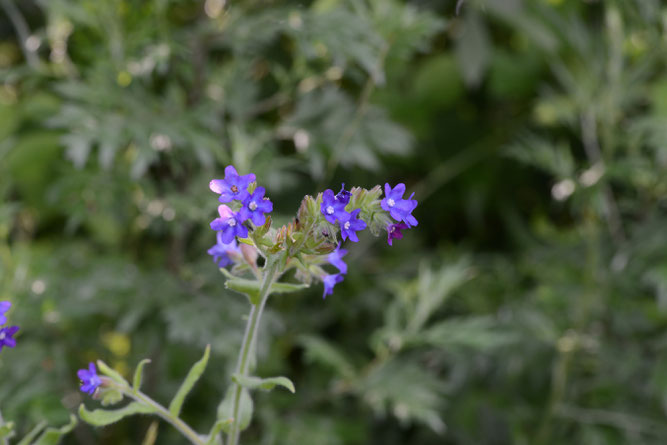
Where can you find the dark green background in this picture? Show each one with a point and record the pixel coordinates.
(528, 307)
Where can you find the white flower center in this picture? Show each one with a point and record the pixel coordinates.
(391, 202)
(330, 210)
(2, 335)
(252, 206)
(232, 222)
(346, 226)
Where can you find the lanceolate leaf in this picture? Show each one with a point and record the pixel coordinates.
(138, 373)
(267, 384)
(107, 371)
(195, 372)
(102, 417)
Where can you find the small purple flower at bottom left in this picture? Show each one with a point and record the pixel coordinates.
(90, 381)
(6, 336)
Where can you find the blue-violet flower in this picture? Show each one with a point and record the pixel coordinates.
(400, 209)
(6, 336)
(230, 224)
(352, 224)
(89, 379)
(4, 307)
(329, 282)
(343, 196)
(255, 206)
(234, 186)
(394, 231)
(221, 251)
(332, 208)
(336, 259)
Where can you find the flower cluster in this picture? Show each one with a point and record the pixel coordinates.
(249, 201)
(6, 332)
(313, 233)
(90, 381)
(333, 209)
(400, 209)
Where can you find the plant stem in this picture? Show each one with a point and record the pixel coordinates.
(249, 339)
(164, 413)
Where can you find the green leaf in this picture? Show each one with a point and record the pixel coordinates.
(28, 438)
(114, 375)
(249, 288)
(7, 430)
(195, 372)
(252, 382)
(284, 288)
(226, 409)
(138, 373)
(52, 436)
(103, 417)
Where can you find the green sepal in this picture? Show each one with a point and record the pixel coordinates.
(52, 435)
(262, 230)
(138, 374)
(193, 375)
(226, 409)
(103, 417)
(7, 430)
(267, 384)
(112, 374)
(28, 438)
(109, 396)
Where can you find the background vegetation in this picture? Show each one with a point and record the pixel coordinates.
(528, 307)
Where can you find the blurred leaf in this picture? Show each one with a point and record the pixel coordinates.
(52, 436)
(193, 375)
(268, 383)
(101, 417)
(226, 409)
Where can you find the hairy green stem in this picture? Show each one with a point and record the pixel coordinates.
(168, 417)
(249, 339)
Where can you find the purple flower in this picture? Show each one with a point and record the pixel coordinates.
(343, 196)
(221, 251)
(255, 206)
(394, 231)
(351, 225)
(332, 208)
(4, 307)
(6, 336)
(230, 224)
(336, 259)
(400, 209)
(233, 186)
(89, 379)
(329, 282)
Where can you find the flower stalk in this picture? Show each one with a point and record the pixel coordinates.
(249, 339)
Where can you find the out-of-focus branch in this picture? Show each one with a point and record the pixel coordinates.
(22, 31)
(593, 153)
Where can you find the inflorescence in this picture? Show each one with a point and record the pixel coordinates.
(313, 233)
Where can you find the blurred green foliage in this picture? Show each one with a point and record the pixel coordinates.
(528, 307)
